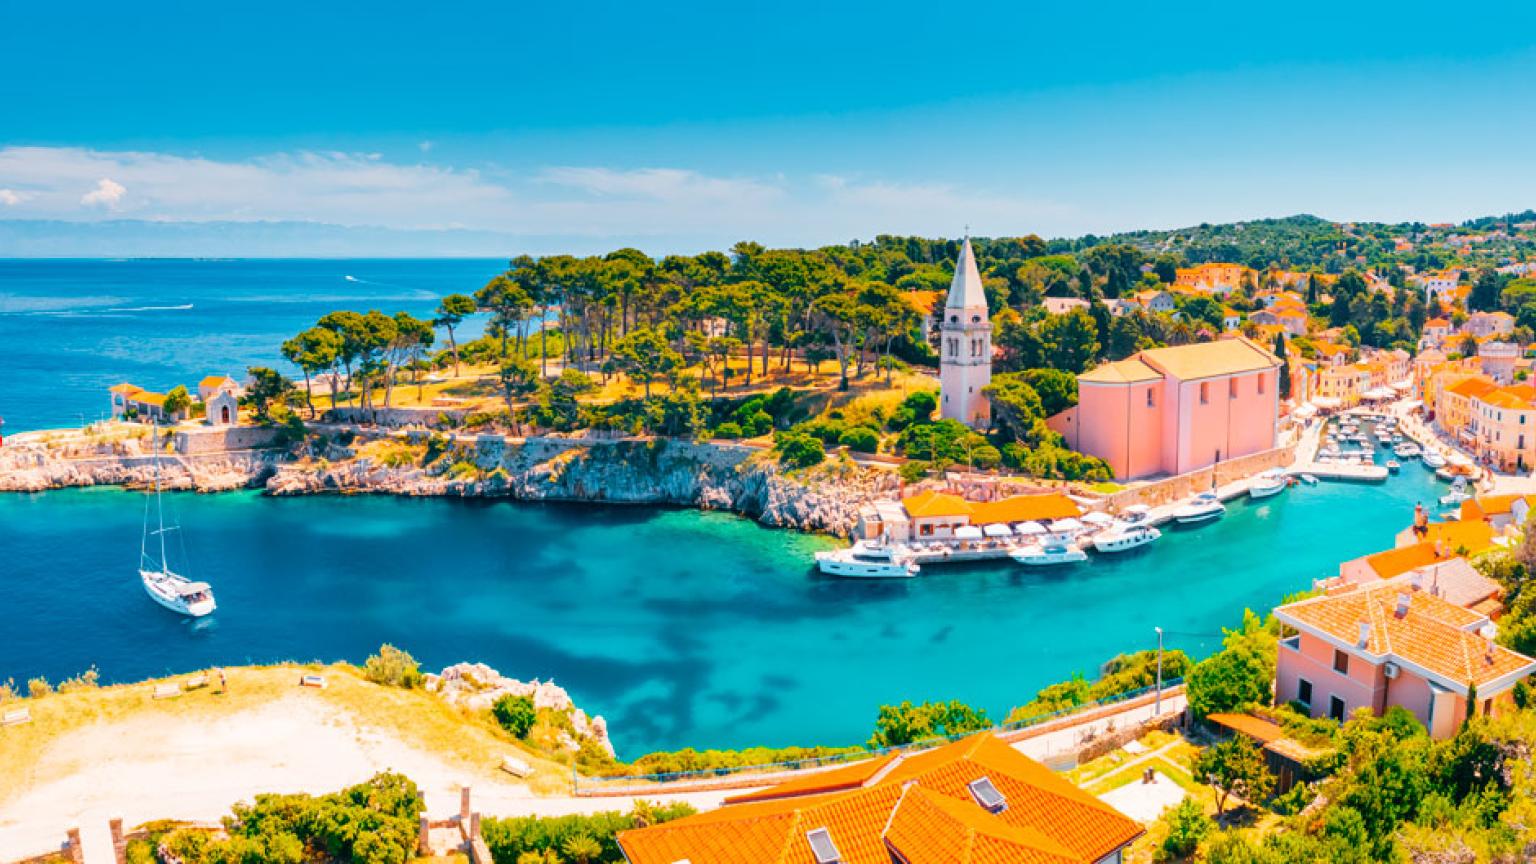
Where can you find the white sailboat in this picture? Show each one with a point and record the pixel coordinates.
(171, 590)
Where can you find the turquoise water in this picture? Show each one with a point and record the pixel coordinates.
(683, 628)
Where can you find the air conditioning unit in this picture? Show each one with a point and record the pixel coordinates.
(1389, 669)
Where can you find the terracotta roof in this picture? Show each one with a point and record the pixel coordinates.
(1396, 561)
(1494, 505)
(937, 829)
(1025, 508)
(1126, 371)
(1436, 322)
(1455, 581)
(1210, 359)
(1473, 536)
(931, 503)
(1476, 386)
(125, 388)
(839, 779)
(1256, 728)
(920, 806)
(1432, 635)
(145, 397)
(216, 381)
(1506, 397)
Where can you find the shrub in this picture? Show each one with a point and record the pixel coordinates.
(90, 679)
(38, 687)
(1187, 826)
(914, 470)
(799, 451)
(542, 839)
(728, 430)
(393, 667)
(860, 438)
(827, 430)
(515, 714)
(906, 723)
(986, 456)
(463, 470)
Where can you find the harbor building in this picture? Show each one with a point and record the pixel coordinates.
(965, 346)
(1174, 410)
(976, 799)
(1394, 645)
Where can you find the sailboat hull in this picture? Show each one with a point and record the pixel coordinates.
(161, 588)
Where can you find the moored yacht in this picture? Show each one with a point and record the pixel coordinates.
(867, 560)
(1433, 459)
(1201, 508)
(1053, 549)
(1271, 482)
(1123, 536)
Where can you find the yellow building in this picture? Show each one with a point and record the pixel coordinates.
(1214, 278)
(1453, 408)
(1502, 428)
(1343, 386)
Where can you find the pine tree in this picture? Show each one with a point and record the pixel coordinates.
(1285, 366)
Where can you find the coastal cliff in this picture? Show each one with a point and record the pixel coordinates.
(707, 475)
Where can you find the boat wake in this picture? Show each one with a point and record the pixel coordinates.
(179, 308)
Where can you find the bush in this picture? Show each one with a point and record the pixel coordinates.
(827, 430)
(393, 667)
(906, 723)
(545, 839)
(515, 714)
(1187, 826)
(986, 457)
(38, 687)
(860, 438)
(799, 451)
(90, 679)
(728, 430)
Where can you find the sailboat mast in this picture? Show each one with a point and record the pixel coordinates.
(159, 501)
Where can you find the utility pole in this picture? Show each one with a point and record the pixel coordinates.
(1157, 709)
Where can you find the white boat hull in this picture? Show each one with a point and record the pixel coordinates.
(1124, 542)
(1191, 517)
(156, 585)
(1035, 557)
(1265, 490)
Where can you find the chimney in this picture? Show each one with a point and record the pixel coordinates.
(1365, 634)
(1402, 604)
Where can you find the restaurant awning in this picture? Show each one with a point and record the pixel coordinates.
(967, 532)
(1327, 402)
(997, 529)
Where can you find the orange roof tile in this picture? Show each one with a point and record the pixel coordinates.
(1459, 534)
(1025, 508)
(1394, 561)
(1494, 505)
(1127, 371)
(1436, 322)
(1432, 635)
(215, 381)
(921, 803)
(1471, 387)
(932, 503)
(839, 779)
(1210, 359)
(125, 388)
(1503, 398)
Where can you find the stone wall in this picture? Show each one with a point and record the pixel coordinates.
(34, 469)
(218, 439)
(1171, 489)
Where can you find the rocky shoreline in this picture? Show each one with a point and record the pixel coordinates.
(703, 474)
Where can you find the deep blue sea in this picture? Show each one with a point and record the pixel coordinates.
(683, 628)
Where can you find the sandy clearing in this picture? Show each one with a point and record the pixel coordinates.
(165, 767)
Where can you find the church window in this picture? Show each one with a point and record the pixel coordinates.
(1261, 385)
(1151, 400)
(1231, 388)
(975, 319)
(954, 319)
(1205, 392)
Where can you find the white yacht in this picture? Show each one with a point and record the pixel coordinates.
(1201, 508)
(1457, 494)
(867, 560)
(1271, 482)
(1051, 550)
(1123, 536)
(1407, 450)
(171, 590)
(1433, 459)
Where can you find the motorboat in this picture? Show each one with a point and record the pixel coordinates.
(1051, 550)
(1433, 459)
(867, 560)
(1394, 466)
(1457, 494)
(1271, 482)
(1123, 536)
(165, 586)
(1201, 508)
(1135, 513)
(1407, 450)
(1309, 479)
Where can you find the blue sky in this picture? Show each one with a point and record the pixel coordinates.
(679, 126)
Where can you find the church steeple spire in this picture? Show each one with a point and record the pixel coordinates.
(965, 290)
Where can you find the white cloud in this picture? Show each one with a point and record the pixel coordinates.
(425, 146)
(9, 197)
(108, 193)
(678, 207)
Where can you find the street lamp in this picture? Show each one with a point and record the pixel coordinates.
(1157, 709)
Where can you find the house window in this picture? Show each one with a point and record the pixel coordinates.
(1340, 662)
(1232, 388)
(1205, 392)
(1261, 385)
(1151, 402)
(1304, 692)
(1336, 708)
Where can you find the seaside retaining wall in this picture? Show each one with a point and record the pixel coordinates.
(219, 439)
(1171, 489)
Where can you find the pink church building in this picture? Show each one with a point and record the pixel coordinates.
(1394, 645)
(1173, 410)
